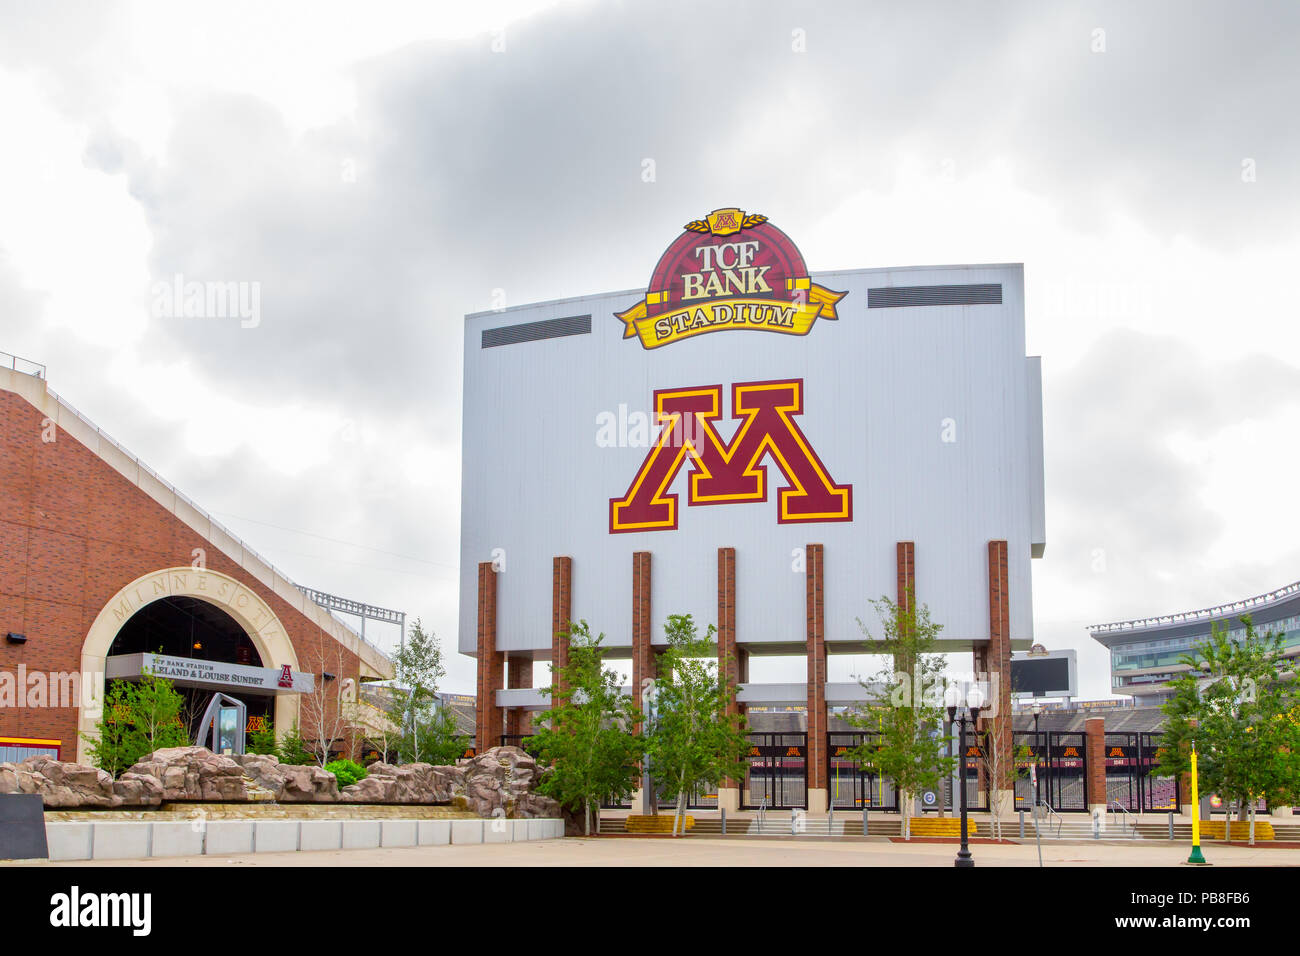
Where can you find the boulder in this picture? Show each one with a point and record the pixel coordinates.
(417, 783)
(193, 773)
(63, 785)
(137, 790)
(499, 782)
(290, 783)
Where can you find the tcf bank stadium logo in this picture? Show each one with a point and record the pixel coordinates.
(756, 281)
(730, 472)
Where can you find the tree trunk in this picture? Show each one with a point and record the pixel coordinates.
(1252, 823)
(586, 818)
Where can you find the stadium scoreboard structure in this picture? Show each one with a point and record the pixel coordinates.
(760, 446)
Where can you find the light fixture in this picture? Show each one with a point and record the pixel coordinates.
(974, 701)
(327, 675)
(198, 645)
(13, 638)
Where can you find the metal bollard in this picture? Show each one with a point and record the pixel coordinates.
(865, 829)
(1171, 824)
(724, 821)
(1022, 824)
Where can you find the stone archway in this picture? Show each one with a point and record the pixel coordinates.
(253, 614)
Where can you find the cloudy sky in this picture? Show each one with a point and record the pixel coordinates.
(380, 169)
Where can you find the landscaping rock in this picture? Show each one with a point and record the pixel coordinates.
(416, 783)
(59, 784)
(290, 783)
(500, 781)
(194, 773)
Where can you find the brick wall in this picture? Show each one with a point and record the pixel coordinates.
(73, 532)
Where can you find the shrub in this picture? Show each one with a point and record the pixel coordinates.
(347, 772)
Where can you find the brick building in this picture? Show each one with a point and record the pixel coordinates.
(103, 564)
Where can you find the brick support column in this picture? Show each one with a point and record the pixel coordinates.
(818, 795)
(1095, 742)
(643, 653)
(488, 724)
(644, 665)
(905, 561)
(994, 659)
(905, 553)
(519, 676)
(561, 617)
(733, 660)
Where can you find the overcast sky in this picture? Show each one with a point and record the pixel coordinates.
(381, 169)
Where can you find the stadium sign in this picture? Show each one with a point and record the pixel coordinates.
(730, 271)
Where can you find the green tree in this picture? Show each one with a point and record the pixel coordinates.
(903, 745)
(261, 739)
(585, 739)
(426, 731)
(1240, 693)
(139, 717)
(293, 749)
(691, 740)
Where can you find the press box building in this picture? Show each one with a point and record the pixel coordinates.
(761, 447)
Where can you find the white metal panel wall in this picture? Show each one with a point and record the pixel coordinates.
(879, 384)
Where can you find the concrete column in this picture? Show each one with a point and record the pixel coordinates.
(733, 660)
(818, 795)
(561, 617)
(1095, 748)
(488, 723)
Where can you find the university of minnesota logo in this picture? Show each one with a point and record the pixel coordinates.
(727, 472)
(731, 270)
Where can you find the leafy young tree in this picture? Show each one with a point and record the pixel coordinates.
(426, 731)
(585, 738)
(691, 740)
(904, 747)
(139, 717)
(1240, 693)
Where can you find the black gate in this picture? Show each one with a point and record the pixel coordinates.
(1067, 766)
(852, 787)
(1062, 763)
(1129, 760)
(778, 772)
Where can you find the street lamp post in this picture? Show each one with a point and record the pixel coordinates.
(953, 700)
(1037, 711)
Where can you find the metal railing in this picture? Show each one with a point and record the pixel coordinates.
(762, 813)
(22, 365)
(181, 496)
(1051, 815)
(1208, 613)
(1126, 821)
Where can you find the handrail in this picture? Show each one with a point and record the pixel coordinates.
(1124, 820)
(762, 813)
(1060, 820)
(9, 359)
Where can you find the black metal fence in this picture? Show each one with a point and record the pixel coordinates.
(778, 771)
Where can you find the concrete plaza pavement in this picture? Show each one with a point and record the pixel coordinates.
(736, 851)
